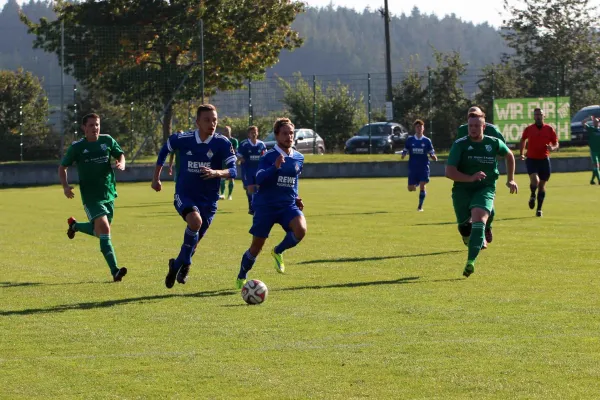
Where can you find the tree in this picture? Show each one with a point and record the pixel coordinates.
(449, 101)
(23, 109)
(502, 81)
(142, 50)
(410, 99)
(340, 112)
(555, 45)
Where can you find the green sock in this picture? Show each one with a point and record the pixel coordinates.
(488, 224)
(231, 184)
(596, 174)
(84, 227)
(476, 240)
(222, 186)
(108, 251)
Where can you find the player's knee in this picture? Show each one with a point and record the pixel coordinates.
(102, 226)
(194, 221)
(300, 233)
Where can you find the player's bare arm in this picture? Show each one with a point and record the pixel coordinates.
(156, 183)
(120, 162)
(455, 175)
(510, 173)
(521, 148)
(208, 173)
(62, 175)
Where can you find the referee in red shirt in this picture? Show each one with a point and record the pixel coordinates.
(541, 140)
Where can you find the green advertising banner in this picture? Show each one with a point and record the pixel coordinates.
(512, 116)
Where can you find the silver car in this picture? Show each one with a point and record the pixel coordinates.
(305, 141)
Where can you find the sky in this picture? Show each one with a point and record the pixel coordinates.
(490, 11)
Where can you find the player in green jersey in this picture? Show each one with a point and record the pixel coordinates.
(473, 167)
(235, 144)
(593, 132)
(97, 185)
(493, 131)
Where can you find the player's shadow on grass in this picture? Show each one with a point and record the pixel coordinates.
(111, 303)
(409, 279)
(27, 284)
(342, 214)
(454, 222)
(142, 205)
(359, 259)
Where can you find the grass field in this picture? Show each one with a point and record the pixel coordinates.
(372, 305)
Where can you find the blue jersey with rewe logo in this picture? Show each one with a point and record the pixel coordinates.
(418, 150)
(251, 153)
(278, 187)
(193, 153)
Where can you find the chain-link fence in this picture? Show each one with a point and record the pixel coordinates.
(143, 95)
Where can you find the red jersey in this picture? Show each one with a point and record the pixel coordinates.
(538, 139)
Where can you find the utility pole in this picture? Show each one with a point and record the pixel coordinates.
(388, 59)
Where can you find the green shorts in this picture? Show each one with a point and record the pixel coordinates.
(466, 198)
(95, 210)
(595, 158)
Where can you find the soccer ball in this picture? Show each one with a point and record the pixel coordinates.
(254, 292)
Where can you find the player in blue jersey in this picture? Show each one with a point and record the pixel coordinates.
(249, 154)
(201, 154)
(277, 200)
(419, 148)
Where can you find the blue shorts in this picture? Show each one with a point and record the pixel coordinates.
(249, 178)
(266, 217)
(418, 175)
(540, 167)
(207, 212)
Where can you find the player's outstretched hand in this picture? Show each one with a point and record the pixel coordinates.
(156, 185)
(120, 165)
(477, 176)
(69, 192)
(207, 173)
(299, 203)
(280, 160)
(512, 185)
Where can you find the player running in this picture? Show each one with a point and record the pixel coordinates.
(419, 148)
(249, 155)
(231, 181)
(97, 185)
(473, 167)
(277, 200)
(593, 132)
(541, 140)
(489, 130)
(201, 153)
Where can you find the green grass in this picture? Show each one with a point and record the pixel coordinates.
(372, 305)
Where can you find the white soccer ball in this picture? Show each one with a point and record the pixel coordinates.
(254, 292)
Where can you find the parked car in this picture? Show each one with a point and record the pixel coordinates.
(578, 133)
(386, 137)
(304, 140)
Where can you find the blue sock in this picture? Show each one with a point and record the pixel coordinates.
(190, 239)
(246, 265)
(422, 198)
(288, 242)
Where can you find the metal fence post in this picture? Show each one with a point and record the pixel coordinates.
(369, 107)
(315, 113)
(202, 59)
(21, 129)
(62, 89)
(75, 119)
(430, 95)
(131, 130)
(250, 110)
(493, 94)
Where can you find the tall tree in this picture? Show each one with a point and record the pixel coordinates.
(23, 109)
(555, 45)
(142, 50)
(502, 81)
(449, 100)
